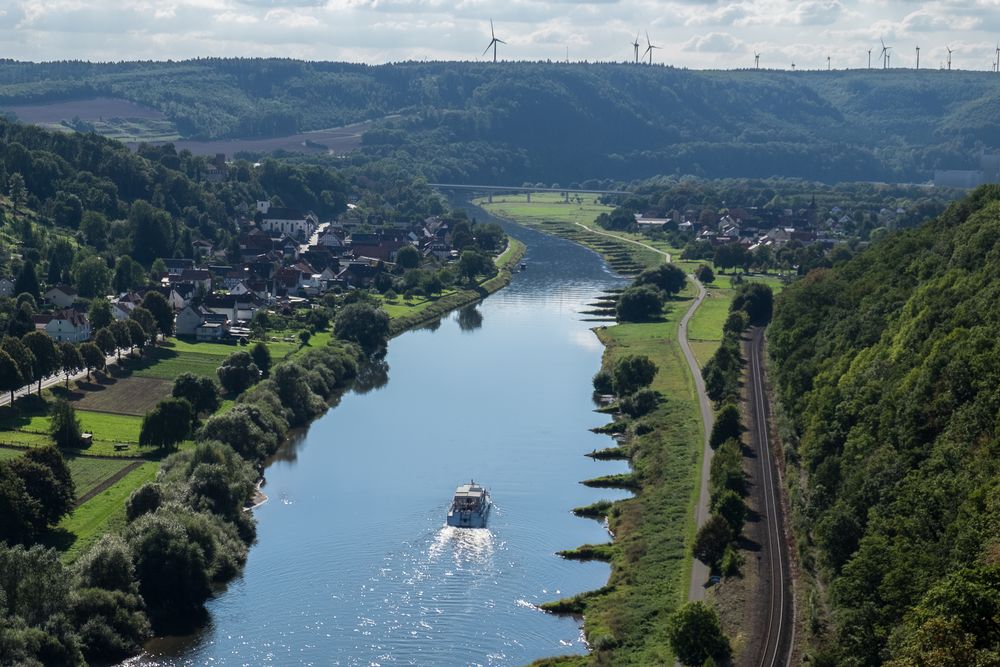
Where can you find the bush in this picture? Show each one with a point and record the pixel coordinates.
(727, 470)
(695, 634)
(147, 498)
(727, 426)
(712, 540)
(200, 392)
(64, 425)
(732, 561)
(640, 304)
(167, 424)
(238, 373)
(704, 273)
(603, 383)
(261, 356)
(633, 372)
(363, 324)
(668, 277)
(730, 506)
(640, 403)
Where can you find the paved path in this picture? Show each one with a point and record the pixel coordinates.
(699, 571)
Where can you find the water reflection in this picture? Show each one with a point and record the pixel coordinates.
(469, 318)
(371, 376)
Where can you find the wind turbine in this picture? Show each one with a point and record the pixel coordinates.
(949, 57)
(649, 49)
(756, 59)
(828, 63)
(635, 45)
(869, 58)
(918, 57)
(493, 42)
(885, 54)
(998, 57)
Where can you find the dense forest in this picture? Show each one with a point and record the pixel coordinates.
(888, 366)
(513, 122)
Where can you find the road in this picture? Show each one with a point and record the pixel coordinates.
(773, 636)
(50, 381)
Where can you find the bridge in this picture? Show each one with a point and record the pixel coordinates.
(491, 190)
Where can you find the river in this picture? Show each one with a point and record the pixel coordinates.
(353, 564)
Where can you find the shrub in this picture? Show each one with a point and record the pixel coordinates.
(640, 403)
(711, 540)
(732, 561)
(640, 304)
(603, 382)
(730, 506)
(633, 372)
(695, 634)
(64, 425)
(238, 373)
(726, 426)
(363, 324)
(668, 277)
(201, 392)
(727, 469)
(704, 273)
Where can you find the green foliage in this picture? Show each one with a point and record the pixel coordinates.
(888, 365)
(726, 471)
(640, 403)
(92, 277)
(757, 300)
(727, 426)
(408, 257)
(238, 373)
(64, 424)
(668, 277)
(261, 357)
(704, 273)
(100, 313)
(712, 539)
(363, 324)
(603, 382)
(10, 375)
(93, 357)
(633, 372)
(161, 311)
(201, 392)
(147, 498)
(696, 634)
(640, 304)
(732, 562)
(167, 424)
(730, 506)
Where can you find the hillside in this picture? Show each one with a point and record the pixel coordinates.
(514, 122)
(888, 366)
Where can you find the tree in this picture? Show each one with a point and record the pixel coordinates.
(237, 373)
(262, 357)
(72, 360)
(10, 375)
(704, 273)
(695, 634)
(363, 324)
(64, 425)
(137, 335)
(129, 274)
(27, 281)
(304, 336)
(105, 340)
(667, 277)
(93, 277)
(711, 540)
(408, 257)
(22, 322)
(55, 500)
(22, 357)
(94, 226)
(640, 403)
(603, 382)
(727, 425)
(291, 385)
(167, 424)
(640, 304)
(633, 372)
(472, 263)
(152, 232)
(100, 313)
(730, 506)
(17, 190)
(147, 498)
(161, 311)
(145, 319)
(123, 336)
(757, 300)
(736, 323)
(46, 356)
(93, 357)
(200, 392)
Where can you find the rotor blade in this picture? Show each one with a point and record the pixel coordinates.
(647, 37)
(488, 48)
(492, 34)
(500, 41)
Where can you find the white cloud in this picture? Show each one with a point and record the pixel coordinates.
(714, 42)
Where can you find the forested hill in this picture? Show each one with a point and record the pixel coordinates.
(889, 366)
(511, 122)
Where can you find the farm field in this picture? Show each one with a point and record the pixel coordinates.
(89, 472)
(110, 117)
(130, 395)
(99, 515)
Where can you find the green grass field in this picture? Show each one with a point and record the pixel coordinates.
(8, 453)
(102, 513)
(89, 472)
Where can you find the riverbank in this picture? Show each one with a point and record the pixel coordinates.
(625, 621)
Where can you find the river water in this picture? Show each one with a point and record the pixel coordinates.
(353, 564)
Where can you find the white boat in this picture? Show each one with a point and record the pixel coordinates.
(470, 507)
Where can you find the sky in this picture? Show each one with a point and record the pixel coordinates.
(693, 34)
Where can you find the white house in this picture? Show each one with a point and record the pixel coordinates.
(68, 326)
(6, 287)
(121, 310)
(188, 320)
(289, 221)
(62, 296)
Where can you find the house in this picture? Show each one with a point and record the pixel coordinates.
(69, 326)
(176, 267)
(200, 278)
(289, 221)
(237, 308)
(210, 331)
(6, 287)
(203, 248)
(121, 310)
(202, 323)
(62, 296)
